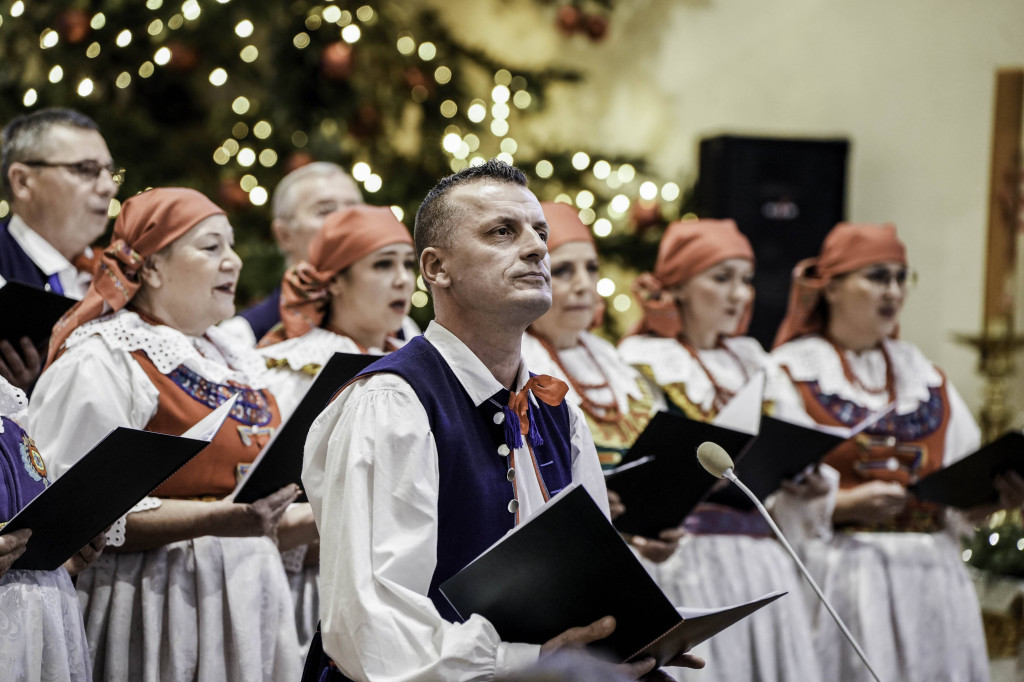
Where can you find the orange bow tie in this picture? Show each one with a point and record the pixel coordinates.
(548, 390)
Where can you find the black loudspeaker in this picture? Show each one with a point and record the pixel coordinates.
(785, 195)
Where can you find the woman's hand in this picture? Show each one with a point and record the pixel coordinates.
(808, 485)
(87, 555)
(297, 527)
(870, 503)
(12, 546)
(259, 518)
(615, 506)
(658, 550)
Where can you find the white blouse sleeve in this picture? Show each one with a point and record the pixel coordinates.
(80, 398)
(962, 435)
(371, 474)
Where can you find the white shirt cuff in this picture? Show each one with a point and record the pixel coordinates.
(515, 656)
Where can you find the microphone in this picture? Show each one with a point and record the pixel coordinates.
(719, 464)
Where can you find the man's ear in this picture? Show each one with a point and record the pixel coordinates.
(434, 268)
(21, 181)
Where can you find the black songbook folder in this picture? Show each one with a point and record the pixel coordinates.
(101, 487)
(968, 482)
(280, 462)
(660, 481)
(29, 311)
(567, 567)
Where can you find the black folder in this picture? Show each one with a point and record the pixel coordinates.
(101, 487)
(780, 451)
(29, 311)
(660, 492)
(968, 482)
(567, 567)
(280, 462)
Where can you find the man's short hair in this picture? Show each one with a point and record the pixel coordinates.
(282, 203)
(437, 216)
(23, 136)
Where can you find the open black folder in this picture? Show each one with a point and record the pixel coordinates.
(661, 481)
(102, 486)
(31, 312)
(968, 482)
(280, 462)
(567, 567)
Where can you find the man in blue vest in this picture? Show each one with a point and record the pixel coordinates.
(412, 472)
(59, 178)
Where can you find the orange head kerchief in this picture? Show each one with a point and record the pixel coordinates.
(686, 249)
(848, 247)
(147, 223)
(564, 225)
(346, 237)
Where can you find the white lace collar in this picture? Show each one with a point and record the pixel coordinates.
(622, 378)
(813, 358)
(216, 356)
(12, 401)
(315, 347)
(671, 363)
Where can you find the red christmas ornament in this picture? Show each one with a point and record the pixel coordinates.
(184, 57)
(645, 215)
(73, 25)
(336, 62)
(231, 194)
(568, 20)
(366, 122)
(297, 160)
(596, 27)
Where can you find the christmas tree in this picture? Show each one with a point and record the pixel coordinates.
(227, 96)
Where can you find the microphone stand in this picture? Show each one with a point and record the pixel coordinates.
(728, 473)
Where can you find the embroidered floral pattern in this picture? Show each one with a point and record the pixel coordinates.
(30, 457)
(251, 408)
(906, 428)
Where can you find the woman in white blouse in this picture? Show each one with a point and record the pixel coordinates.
(191, 586)
(696, 307)
(890, 564)
(350, 296)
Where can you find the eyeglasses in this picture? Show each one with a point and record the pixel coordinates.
(86, 170)
(883, 278)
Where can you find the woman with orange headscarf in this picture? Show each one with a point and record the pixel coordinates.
(890, 565)
(191, 585)
(350, 296)
(615, 399)
(696, 305)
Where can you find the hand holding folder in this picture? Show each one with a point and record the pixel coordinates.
(969, 482)
(567, 567)
(128, 464)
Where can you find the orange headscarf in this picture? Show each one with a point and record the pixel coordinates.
(346, 236)
(564, 225)
(686, 249)
(848, 247)
(147, 223)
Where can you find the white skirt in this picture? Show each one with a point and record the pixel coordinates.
(205, 609)
(773, 644)
(41, 632)
(907, 599)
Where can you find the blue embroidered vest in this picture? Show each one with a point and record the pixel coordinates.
(474, 491)
(15, 265)
(22, 470)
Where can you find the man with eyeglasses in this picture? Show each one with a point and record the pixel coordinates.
(59, 178)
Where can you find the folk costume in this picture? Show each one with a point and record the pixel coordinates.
(26, 257)
(729, 555)
(42, 636)
(883, 580)
(208, 608)
(297, 347)
(408, 472)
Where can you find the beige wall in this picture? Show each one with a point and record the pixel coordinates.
(910, 82)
